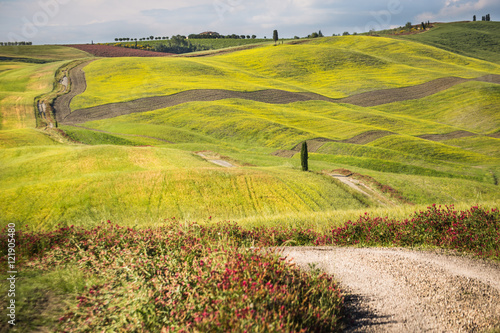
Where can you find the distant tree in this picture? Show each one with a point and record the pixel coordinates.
(354, 33)
(408, 26)
(474, 18)
(304, 157)
(296, 37)
(116, 39)
(275, 36)
(346, 33)
(320, 34)
(484, 18)
(313, 35)
(488, 17)
(423, 26)
(242, 36)
(248, 36)
(151, 37)
(254, 36)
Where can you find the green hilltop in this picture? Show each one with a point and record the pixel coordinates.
(478, 39)
(440, 146)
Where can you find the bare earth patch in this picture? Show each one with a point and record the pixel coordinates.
(400, 290)
(447, 136)
(116, 51)
(78, 86)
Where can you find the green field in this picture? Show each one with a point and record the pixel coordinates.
(142, 168)
(334, 67)
(211, 43)
(474, 39)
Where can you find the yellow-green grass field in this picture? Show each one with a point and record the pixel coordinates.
(335, 67)
(140, 169)
(20, 84)
(471, 106)
(475, 39)
(133, 185)
(42, 52)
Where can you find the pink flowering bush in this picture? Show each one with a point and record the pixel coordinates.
(219, 277)
(183, 279)
(475, 231)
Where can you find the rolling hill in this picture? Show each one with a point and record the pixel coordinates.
(418, 119)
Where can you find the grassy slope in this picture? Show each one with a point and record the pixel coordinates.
(212, 43)
(335, 67)
(474, 39)
(144, 185)
(133, 184)
(43, 52)
(20, 83)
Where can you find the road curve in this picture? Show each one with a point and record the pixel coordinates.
(400, 290)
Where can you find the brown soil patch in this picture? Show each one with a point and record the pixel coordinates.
(272, 96)
(284, 153)
(78, 86)
(366, 137)
(367, 180)
(492, 78)
(447, 136)
(379, 97)
(116, 51)
(312, 145)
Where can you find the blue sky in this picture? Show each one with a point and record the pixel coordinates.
(83, 21)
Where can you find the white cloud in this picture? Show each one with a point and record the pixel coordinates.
(454, 10)
(102, 19)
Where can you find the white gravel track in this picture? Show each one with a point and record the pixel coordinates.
(400, 290)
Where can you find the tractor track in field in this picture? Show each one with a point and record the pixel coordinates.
(402, 290)
(272, 96)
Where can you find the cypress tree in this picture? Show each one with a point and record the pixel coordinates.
(304, 157)
(275, 36)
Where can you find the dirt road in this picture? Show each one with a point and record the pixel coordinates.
(399, 290)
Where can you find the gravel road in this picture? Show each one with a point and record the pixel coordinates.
(400, 290)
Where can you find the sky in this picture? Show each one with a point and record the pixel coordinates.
(84, 21)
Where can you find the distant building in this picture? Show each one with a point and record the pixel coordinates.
(210, 33)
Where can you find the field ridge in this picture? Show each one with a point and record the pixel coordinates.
(273, 96)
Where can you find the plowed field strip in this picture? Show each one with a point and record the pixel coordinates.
(447, 136)
(271, 96)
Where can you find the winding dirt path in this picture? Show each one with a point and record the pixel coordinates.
(273, 96)
(78, 86)
(400, 290)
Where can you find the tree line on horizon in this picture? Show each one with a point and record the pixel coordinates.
(15, 43)
(484, 18)
(205, 35)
